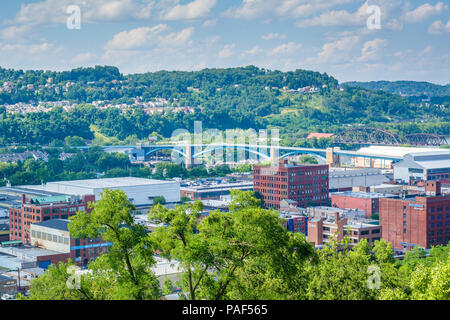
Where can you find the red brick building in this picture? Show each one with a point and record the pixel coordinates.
(35, 210)
(322, 230)
(305, 184)
(367, 201)
(423, 220)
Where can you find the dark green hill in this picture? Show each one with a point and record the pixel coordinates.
(408, 88)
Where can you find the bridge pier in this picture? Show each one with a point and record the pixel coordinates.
(333, 160)
(189, 160)
(274, 155)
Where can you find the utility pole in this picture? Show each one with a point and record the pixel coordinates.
(18, 277)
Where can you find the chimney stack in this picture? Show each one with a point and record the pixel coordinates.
(433, 188)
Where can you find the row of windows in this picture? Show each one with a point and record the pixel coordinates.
(49, 237)
(439, 240)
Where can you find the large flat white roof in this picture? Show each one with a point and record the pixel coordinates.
(394, 150)
(110, 182)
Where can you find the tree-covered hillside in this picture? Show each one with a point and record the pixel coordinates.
(297, 102)
(408, 88)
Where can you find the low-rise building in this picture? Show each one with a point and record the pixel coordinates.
(8, 285)
(213, 191)
(345, 179)
(54, 235)
(323, 230)
(423, 166)
(295, 222)
(140, 191)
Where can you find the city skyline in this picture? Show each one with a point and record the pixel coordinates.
(140, 36)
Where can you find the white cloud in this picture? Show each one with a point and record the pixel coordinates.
(425, 51)
(439, 27)
(336, 50)
(273, 36)
(141, 38)
(337, 18)
(210, 23)
(31, 49)
(54, 11)
(424, 12)
(83, 58)
(252, 52)
(193, 10)
(286, 49)
(372, 49)
(250, 9)
(227, 51)
(14, 32)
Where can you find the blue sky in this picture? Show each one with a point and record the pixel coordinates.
(147, 35)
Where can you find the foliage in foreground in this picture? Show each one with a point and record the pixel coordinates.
(241, 254)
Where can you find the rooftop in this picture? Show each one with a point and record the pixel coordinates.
(51, 199)
(394, 151)
(218, 186)
(26, 252)
(111, 182)
(366, 195)
(59, 224)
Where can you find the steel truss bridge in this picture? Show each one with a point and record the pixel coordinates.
(377, 136)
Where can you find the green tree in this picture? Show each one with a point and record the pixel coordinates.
(159, 200)
(218, 254)
(130, 257)
(74, 141)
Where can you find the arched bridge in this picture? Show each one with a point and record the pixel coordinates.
(191, 154)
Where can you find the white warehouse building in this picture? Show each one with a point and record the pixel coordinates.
(139, 190)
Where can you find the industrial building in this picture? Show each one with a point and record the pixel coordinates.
(422, 220)
(213, 191)
(36, 210)
(54, 235)
(367, 201)
(344, 179)
(387, 151)
(423, 166)
(50, 243)
(139, 190)
(304, 184)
